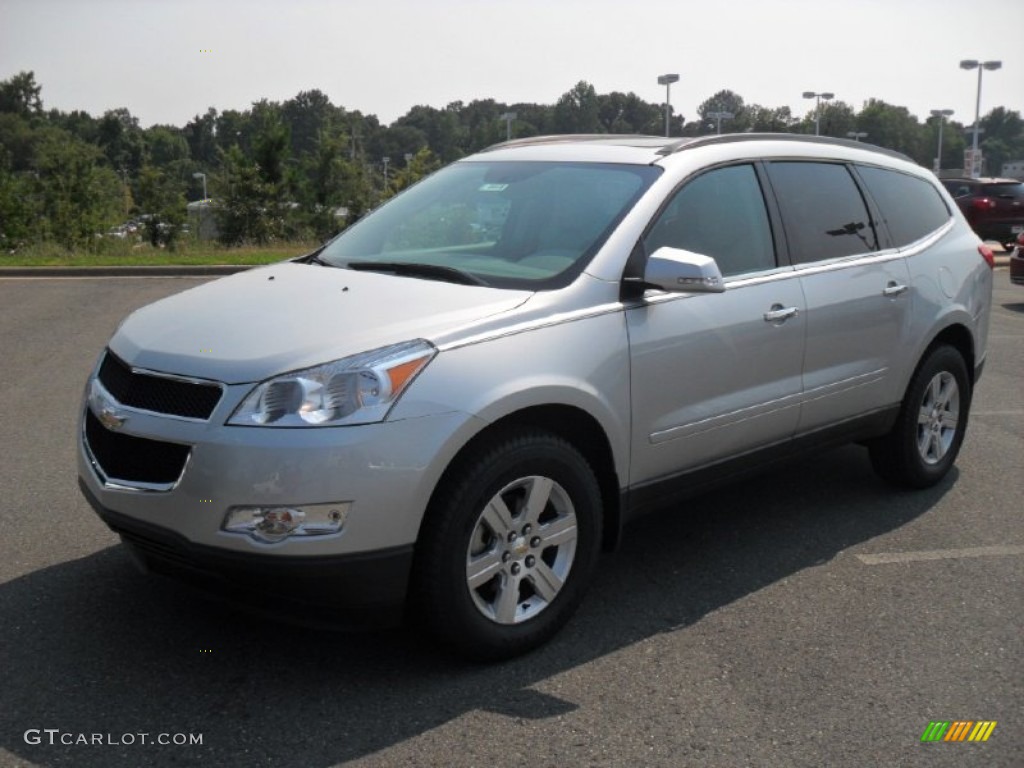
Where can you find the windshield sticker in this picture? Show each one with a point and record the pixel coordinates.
(493, 188)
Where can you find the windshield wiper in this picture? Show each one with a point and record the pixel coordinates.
(313, 257)
(429, 271)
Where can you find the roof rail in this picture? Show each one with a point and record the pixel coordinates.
(727, 138)
(564, 138)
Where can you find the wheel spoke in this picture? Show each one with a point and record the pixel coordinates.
(924, 415)
(545, 581)
(950, 419)
(935, 447)
(934, 391)
(483, 568)
(559, 531)
(924, 440)
(508, 600)
(537, 498)
(498, 517)
(947, 392)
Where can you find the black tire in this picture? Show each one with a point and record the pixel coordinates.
(926, 438)
(490, 597)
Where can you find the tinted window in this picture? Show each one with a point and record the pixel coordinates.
(824, 214)
(911, 207)
(719, 214)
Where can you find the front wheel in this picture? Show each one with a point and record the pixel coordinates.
(930, 428)
(508, 546)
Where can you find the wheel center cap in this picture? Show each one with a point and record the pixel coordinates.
(520, 546)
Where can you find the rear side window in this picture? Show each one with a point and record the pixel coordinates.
(823, 212)
(910, 207)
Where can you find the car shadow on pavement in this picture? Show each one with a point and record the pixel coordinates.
(93, 647)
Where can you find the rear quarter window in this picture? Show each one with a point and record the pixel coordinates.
(824, 214)
(910, 207)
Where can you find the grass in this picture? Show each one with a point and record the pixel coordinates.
(114, 252)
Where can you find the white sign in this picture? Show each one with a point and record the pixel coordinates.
(972, 163)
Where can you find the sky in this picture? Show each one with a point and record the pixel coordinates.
(169, 60)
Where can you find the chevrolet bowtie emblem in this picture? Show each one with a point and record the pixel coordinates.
(110, 418)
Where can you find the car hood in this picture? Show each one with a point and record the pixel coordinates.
(265, 321)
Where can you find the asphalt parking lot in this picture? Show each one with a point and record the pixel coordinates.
(808, 617)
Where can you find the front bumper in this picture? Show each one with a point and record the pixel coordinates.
(384, 472)
(345, 591)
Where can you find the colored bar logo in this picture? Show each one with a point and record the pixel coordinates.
(958, 730)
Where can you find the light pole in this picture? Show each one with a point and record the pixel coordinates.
(817, 107)
(386, 160)
(508, 117)
(856, 135)
(667, 81)
(978, 65)
(942, 114)
(718, 117)
(202, 204)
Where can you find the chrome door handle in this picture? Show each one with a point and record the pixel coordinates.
(780, 314)
(894, 289)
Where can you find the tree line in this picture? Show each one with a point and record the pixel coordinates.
(305, 168)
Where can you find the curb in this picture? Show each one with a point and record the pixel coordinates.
(185, 270)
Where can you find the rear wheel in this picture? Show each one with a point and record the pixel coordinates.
(925, 441)
(508, 546)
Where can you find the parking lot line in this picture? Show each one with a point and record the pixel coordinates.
(940, 554)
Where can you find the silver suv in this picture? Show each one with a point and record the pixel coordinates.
(454, 405)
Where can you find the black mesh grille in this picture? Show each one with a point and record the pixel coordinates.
(155, 393)
(134, 459)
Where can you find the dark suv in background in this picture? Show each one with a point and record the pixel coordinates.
(993, 207)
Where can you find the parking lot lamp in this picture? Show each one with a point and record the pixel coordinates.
(856, 135)
(817, 107)
(942, 114)
(667, 81)
(718, 117)
(980, 66)
(508, 117)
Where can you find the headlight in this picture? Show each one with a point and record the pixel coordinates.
(354, 390)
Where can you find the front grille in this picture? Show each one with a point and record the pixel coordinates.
(157, 393)
(134, 459)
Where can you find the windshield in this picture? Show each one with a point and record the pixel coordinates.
(510, 224)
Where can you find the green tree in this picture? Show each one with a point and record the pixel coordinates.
(20, 95)
(1003, 139)
(248, 209)
(892, 127)
(199, 132)
(78, 197)
(19, 213)
(723, 101)
(578, 111)
(306, 115)
(121, 140)
(420, 165)
(161, 197)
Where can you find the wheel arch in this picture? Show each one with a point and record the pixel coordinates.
(574, 425)
(958, 336)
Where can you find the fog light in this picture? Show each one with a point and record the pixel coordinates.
(272, 524)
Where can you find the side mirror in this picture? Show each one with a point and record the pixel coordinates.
(679, 271)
